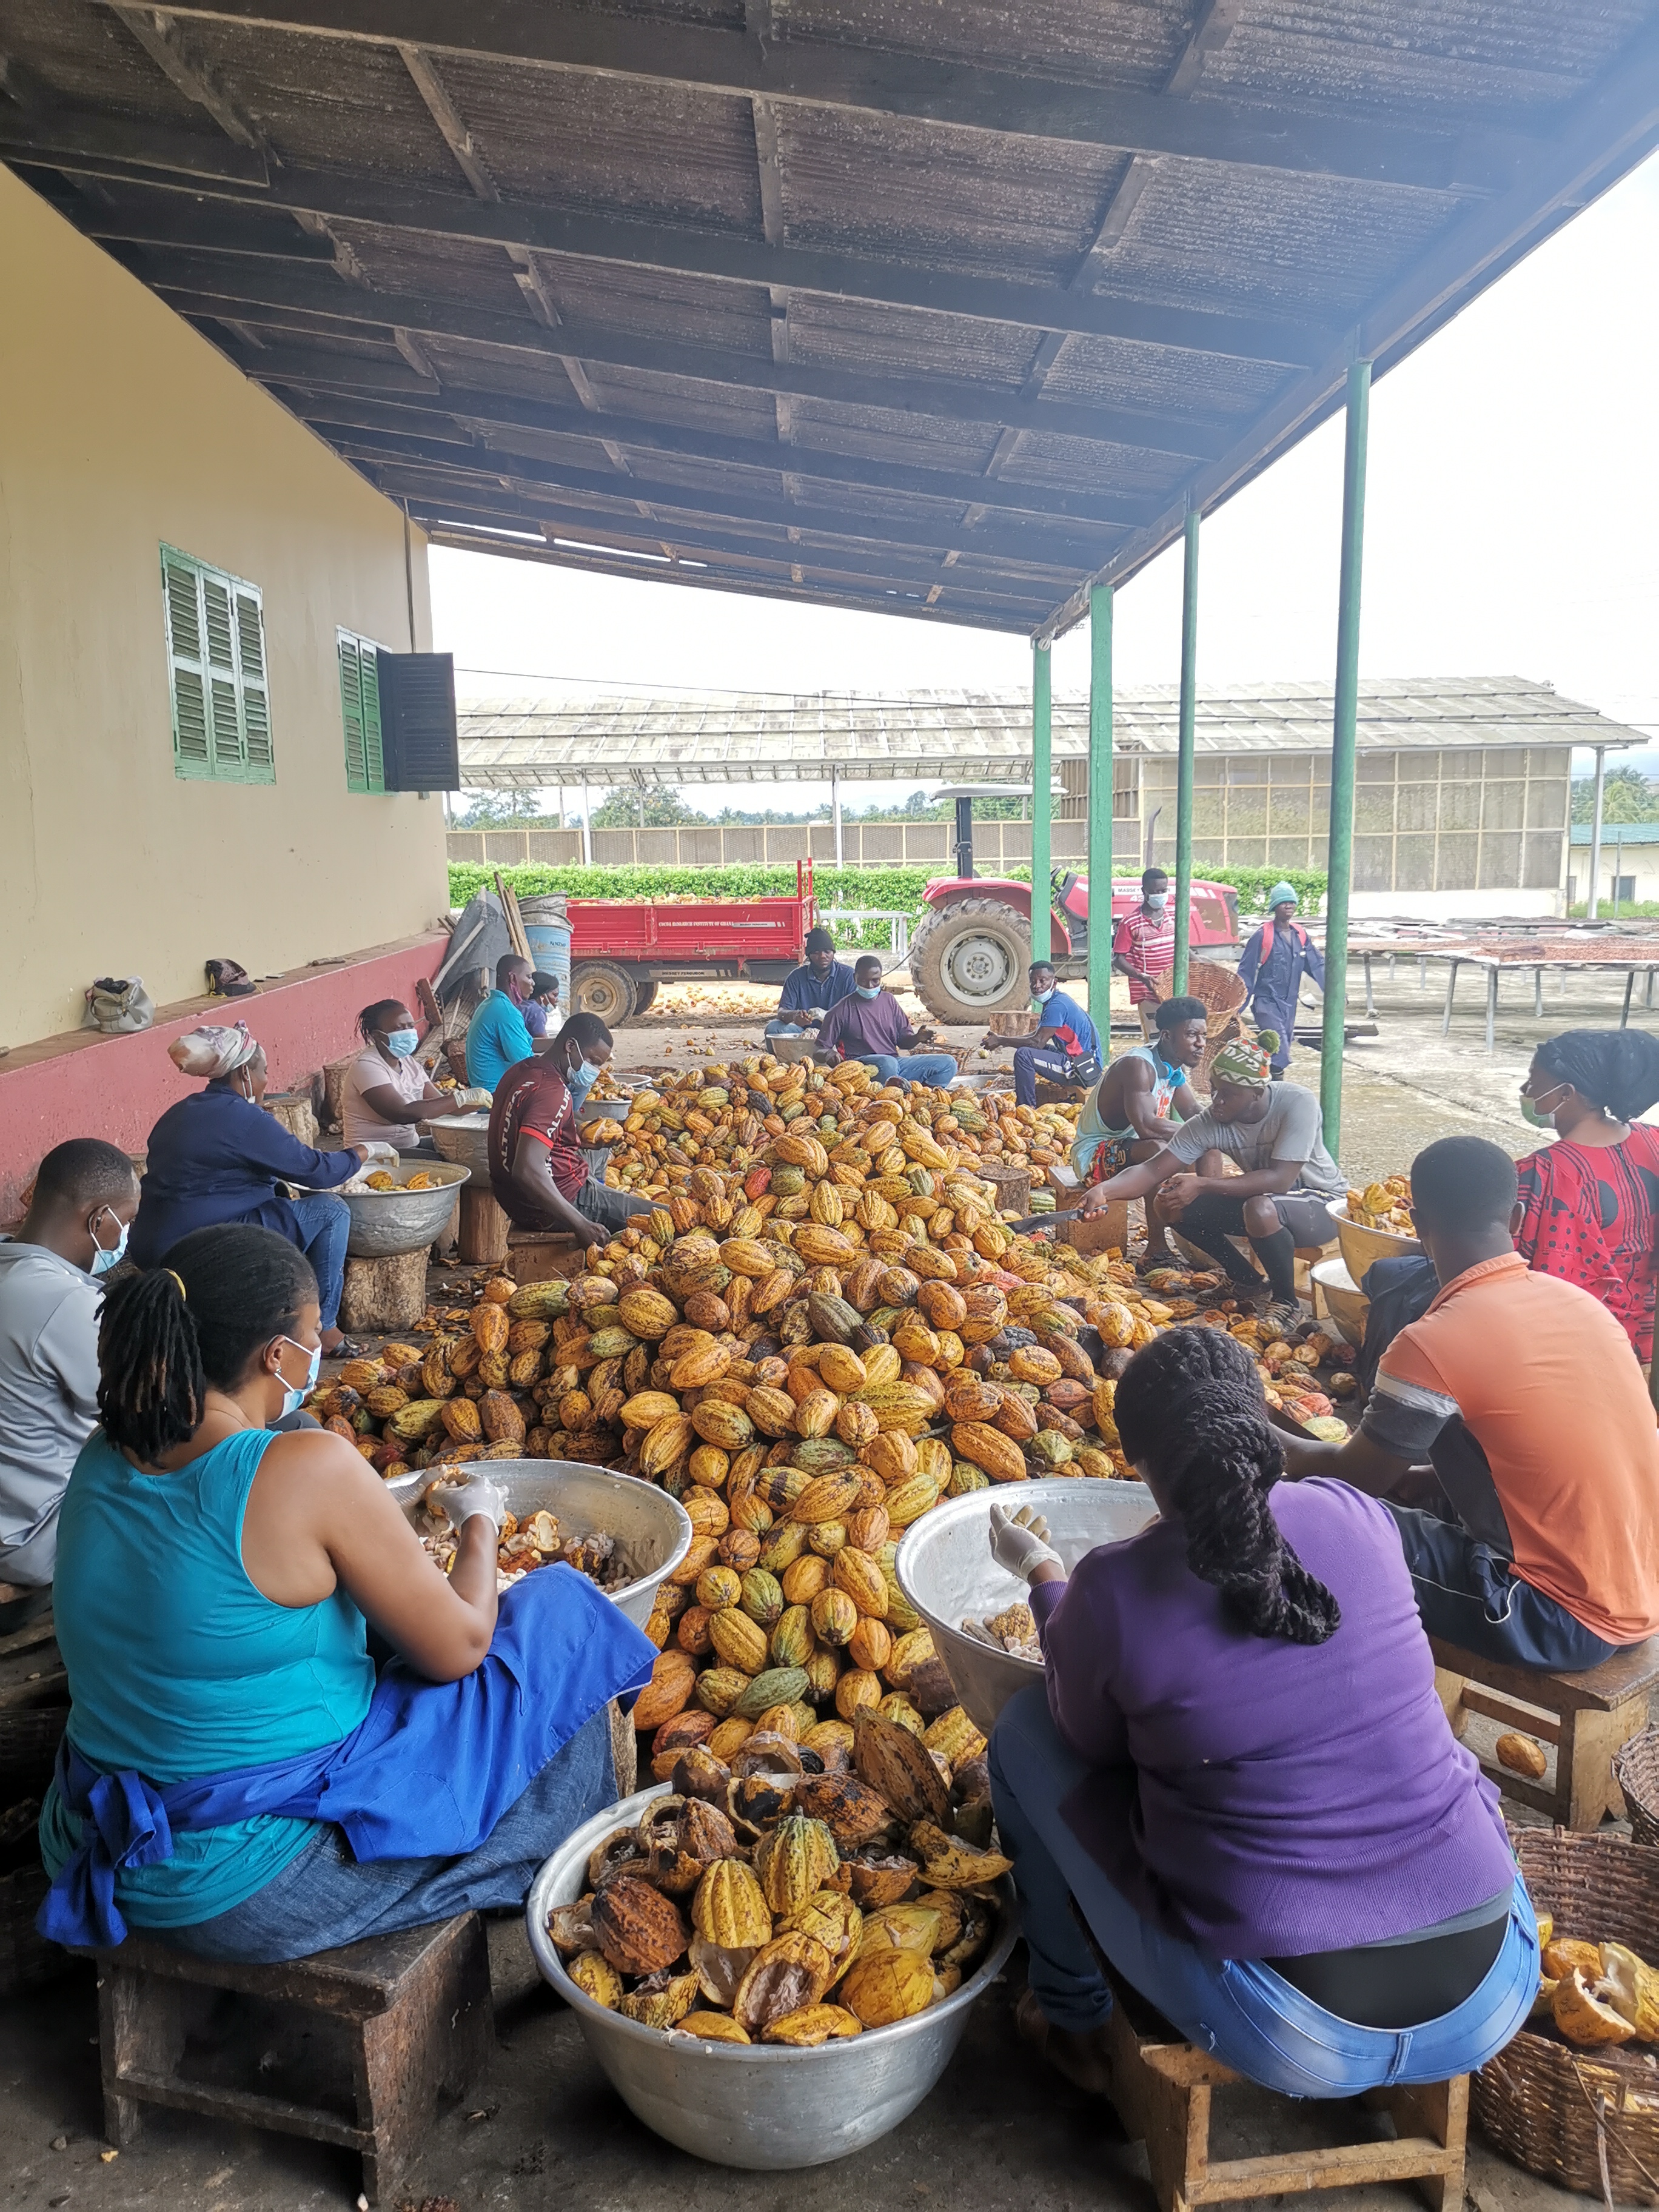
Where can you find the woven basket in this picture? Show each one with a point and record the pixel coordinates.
(1556, 2112)
(1635, 1769)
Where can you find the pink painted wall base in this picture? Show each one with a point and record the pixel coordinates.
(86, 1086)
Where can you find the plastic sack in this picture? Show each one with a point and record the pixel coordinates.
(117, 1007)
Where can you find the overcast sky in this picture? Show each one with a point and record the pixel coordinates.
(1511, 530)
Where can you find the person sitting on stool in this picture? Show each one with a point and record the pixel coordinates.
(1521, 1390)
(871, 1026)
(1067, 1046)
(820, 983)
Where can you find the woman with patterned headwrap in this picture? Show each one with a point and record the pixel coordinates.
(1280, 1199)
(218, 1155)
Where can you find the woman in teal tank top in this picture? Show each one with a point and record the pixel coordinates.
(212, 1587)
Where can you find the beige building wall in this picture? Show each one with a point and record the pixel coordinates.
(120, 429)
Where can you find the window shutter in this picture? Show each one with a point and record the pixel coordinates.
(221, 679)
(351, 711)
(256, 698)
(181, 586)
(374, 757)
(418, 714)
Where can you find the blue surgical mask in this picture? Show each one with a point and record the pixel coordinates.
(866, 990)
(293, 1399)
(580, 1080)
(103, 1260)
(401, 1042)
(1040, 999)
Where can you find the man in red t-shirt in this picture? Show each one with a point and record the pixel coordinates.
(1143, 945)
(536, 1171)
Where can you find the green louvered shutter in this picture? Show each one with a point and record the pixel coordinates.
(351, 711)
(216, 673)
(193, 753)
(257, 755)
(360, 711)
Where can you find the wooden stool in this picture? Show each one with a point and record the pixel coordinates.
(1161, 2086)
(537, 1255)
(484, 1227)
(1586, 1716)
(383, 2027)
(383, 1295)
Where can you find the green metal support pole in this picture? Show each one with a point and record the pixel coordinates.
(1339, 861)
(1183, 882)
(1100, 814)
(1041, 798)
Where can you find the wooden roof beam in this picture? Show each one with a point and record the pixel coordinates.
(276, 292)
(161, 39)
(469, 156)
(1360, 145)
(86, 143)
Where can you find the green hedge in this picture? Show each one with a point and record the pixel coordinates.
(891, 888)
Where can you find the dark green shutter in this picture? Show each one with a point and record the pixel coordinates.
(216, 673)
(360, 711)
(181, 592)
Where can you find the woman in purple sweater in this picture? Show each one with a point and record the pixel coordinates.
(1242, 1774)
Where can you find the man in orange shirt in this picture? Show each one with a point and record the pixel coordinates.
(1522, 1392)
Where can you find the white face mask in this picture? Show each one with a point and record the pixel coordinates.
(293, 1399)
(105, 1257)
(1157, 901)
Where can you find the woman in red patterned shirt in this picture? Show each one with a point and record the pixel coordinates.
(1591, 1200)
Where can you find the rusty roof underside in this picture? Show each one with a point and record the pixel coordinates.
(939, 310)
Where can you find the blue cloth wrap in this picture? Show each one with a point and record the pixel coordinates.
(426, 1773)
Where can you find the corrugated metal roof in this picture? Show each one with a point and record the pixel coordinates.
(983, 737)
(1615, 834)
(1085, 265)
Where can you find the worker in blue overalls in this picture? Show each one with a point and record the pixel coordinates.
(1278, 955)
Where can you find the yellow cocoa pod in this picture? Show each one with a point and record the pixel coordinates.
(934, 1460)
(718, 1689)
(720, 2026)
(889, 1986)
(460, 1420)
(872, 1642)
(792, 1643)
(826, 1207)
(823, 1247)
(987, 1448)
(668, 1444)
(892, 1455)
(856, 1425)
(954, 1737)
(815, 1416)
(772, 1412)
(857, 1574)
(490, 1326)
(828, 1496)
(726, 1425)
(596, 1977)
(794, 1861)
(908, 1501)
(503, 1422)
(646, 1313)
(730, 1907)
(881, 1367)
(673, 1675)
(706, 1510)
(709, 1467)
(730, 1737)
(740, 1642)
(696, 1369)
(857, 1686)
(718, 1586)
(908, 1652)
(841, 1369)
(835, 1617)
(803, 1579)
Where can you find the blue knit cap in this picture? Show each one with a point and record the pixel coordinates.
(1278, 893)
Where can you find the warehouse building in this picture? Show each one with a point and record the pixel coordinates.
(1461, 804)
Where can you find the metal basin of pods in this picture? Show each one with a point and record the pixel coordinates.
(759, 2106)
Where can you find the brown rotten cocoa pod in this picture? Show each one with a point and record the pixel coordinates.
(639, 1929)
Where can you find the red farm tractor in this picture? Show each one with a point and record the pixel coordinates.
(973, 944)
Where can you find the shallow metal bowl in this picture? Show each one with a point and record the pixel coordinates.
(945, 1568)
(465, 1139)
(386, 1222)
(758, 2105)
(652, 1530)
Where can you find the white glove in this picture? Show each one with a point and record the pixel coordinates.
(462, 1501)
(816, 1013)
(374, 1148)
(1020, 1542)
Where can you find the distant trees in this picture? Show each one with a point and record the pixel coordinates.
(1627, 796)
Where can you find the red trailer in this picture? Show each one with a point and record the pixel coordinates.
(621, 949)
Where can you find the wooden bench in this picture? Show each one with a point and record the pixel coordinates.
(537, 1255)
(1162, 2086)
(366, 2039)
(1586, 1716)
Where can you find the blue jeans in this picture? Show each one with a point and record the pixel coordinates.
(933, 1068)
(1466, 1593)
(326, 1897)
(1250, 2017)
(324, 1225)
(1030, 1060)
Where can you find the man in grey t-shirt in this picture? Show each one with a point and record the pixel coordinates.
(1275, 1132)
(85, 1196)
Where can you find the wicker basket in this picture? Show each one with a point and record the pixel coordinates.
(1635, 1769)
(1556, 2112)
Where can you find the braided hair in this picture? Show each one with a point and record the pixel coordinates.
(372, 1017)
(1190, 1409)
(1617, 1069)
(167, 1335)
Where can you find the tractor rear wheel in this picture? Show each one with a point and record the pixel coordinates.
(644, 993)
(597, 987)
(967, 960)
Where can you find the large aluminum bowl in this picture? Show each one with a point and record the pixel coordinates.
(652, 1529)
(465, 1139)
(758, 2105)
(1360, 1246)
(385, 1223)
(945, 1568)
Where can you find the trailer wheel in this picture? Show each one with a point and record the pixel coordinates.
(597, 987)
(644, 992)
(969, 959)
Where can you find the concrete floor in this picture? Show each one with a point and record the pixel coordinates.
(544, 2129)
